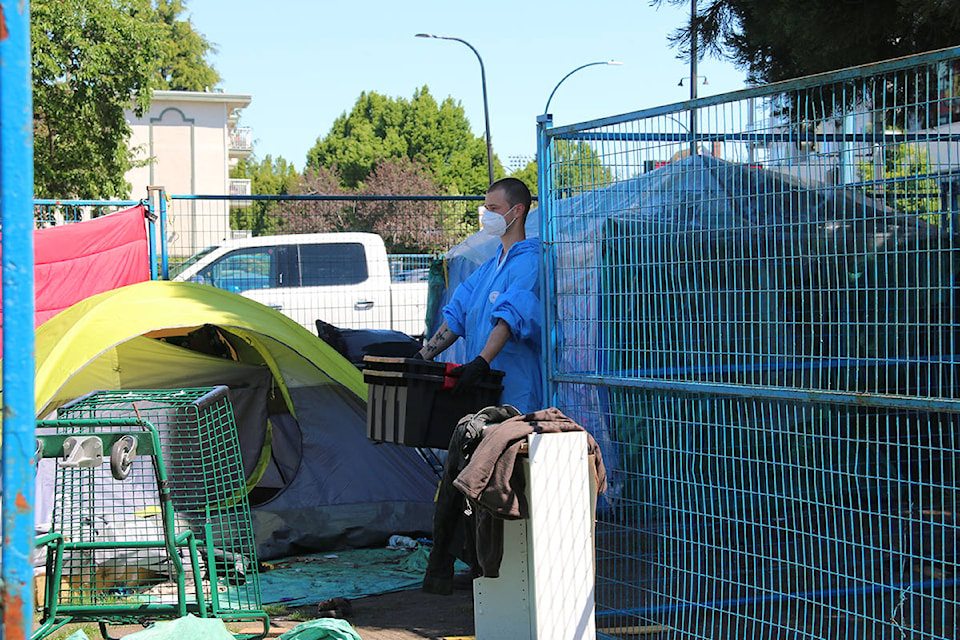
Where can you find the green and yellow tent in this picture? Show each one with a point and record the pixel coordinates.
(316, 481)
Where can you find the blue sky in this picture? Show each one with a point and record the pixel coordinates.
(306, 62)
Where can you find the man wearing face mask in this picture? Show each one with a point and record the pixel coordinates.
(497, 312)
(497, 309)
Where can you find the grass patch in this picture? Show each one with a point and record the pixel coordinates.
(276, 610)
(300, 615)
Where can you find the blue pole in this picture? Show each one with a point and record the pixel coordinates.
(157, 197)
(16, 217)
(547, 289)
(151, 237)
(164, 256)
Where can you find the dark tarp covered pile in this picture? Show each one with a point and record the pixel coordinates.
(709, 271)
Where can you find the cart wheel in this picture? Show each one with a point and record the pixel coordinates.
(121, 456)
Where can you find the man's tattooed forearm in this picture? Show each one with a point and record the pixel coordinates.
(435, 345)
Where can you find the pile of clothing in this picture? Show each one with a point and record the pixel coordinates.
(483, 485)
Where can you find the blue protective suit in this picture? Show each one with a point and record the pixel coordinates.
(509, 291)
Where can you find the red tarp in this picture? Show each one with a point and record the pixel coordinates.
(76, 261)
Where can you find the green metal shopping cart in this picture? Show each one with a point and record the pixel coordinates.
(150, 514)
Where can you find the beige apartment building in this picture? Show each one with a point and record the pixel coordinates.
(190, 140)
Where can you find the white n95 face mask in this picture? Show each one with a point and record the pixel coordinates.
(494, 224)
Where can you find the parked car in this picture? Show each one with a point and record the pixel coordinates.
(340, 278)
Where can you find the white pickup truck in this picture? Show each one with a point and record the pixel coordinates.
(344, 279)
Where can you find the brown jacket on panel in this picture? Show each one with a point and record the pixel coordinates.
(493, 481)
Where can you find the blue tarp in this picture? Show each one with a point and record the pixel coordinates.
(350, 574)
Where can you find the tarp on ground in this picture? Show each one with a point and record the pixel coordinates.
(320, 483)
(189, 627)
(351, 574)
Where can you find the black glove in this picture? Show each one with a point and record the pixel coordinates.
(416, 356)
(469, 374)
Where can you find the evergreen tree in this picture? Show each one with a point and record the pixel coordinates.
(183, 65)
(777, 40)
(267, 177)
(781, 39)
(436, 136)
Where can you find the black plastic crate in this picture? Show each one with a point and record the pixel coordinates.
(411, 402)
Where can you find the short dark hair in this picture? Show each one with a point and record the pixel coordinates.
(515, 191)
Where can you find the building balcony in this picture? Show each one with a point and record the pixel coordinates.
(240, 187)
(241, 142)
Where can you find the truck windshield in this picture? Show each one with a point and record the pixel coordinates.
(177, 269)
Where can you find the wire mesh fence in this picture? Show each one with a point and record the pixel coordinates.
(51, 213)
(416, 224)
(356, 262)
(754, 311)
(752, 304)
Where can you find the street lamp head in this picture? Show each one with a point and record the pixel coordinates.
(583, 66)
(483, 83)
(680, 84)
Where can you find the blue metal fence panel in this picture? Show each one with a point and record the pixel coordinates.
(16, 194)
(762, 334)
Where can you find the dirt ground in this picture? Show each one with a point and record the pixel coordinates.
(402, 615)
(408, 615)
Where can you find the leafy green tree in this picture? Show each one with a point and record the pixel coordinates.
(577, 168)
(781, 39)
(528, 175)
(183, 65)
(267, 177)
(93, 60)
(435, 135)
(89, 58)
(902, 169)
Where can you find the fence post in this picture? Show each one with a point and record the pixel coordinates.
(16, 210)
(159, 195)
(151, 218)
(547, 288)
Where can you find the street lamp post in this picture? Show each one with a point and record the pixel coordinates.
(583, 66)
(667, 115)
(693, 76)
(483, 81)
